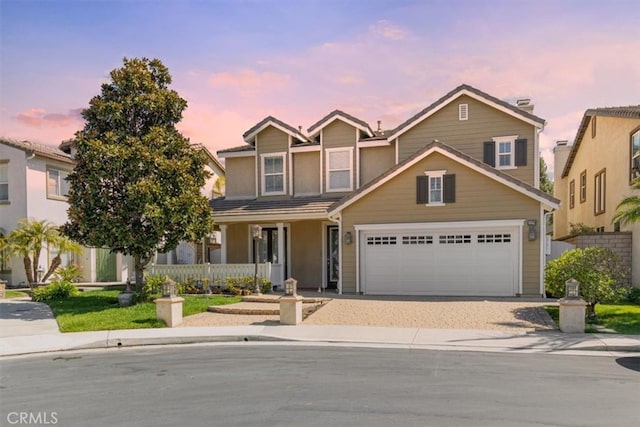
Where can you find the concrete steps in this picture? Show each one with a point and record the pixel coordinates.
(265, 305)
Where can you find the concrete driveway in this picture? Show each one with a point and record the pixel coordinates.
(23, 317)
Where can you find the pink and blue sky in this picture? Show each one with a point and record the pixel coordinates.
(236, 62)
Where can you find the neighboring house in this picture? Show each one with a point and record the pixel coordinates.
(594, 174)
(447, 203)
(33, 185)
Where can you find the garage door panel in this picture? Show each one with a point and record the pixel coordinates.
(440, 262)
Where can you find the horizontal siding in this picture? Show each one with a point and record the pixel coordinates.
(468, 136)
(374, 161)
(477, 198)
(306, 173)
(273, 140)
(338, 134)
(240, 177)
(238, 243)
(306, 253)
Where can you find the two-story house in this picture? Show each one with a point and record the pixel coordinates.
(594, 174)
(447, 203)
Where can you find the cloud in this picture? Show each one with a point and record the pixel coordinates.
(38, 117)
(387, 30)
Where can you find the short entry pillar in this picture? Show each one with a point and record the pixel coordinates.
(291, 304)
(169, 307)
(572, 309)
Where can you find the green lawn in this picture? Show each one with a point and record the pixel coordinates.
(15, 294)
(99, 311)
(624, 318)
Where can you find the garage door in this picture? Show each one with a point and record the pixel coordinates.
(433, 261)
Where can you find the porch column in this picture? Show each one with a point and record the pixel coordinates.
(223, 243)
(281, 251)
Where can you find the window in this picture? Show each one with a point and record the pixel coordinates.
(583, 186)
(436, 188)
(600, 189)
(273, 181)
(4, 181)
(635, 156)
(463, 111)
(57, 185)
(572, 194)
(339, 169)
(505, 152)
(593, 127)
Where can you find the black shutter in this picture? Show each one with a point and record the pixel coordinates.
(490, 153)
(449, 184)
(521, 152)
(422, 189)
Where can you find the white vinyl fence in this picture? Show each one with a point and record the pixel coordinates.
(215, 273)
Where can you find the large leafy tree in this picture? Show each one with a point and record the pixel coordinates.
(628, 210)
(546, 184)
(30, 238)
(136, 185)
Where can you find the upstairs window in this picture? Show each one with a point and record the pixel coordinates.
(339, 176)
(600, 188)
(635, 155)
(463, 112)
(4, 181)
(505, 152)
(572, 194)
(593, 127)
(273, 178)
(436, 188)
(57, 185)
(583, 186)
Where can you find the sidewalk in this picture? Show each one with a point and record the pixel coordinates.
(28, 328)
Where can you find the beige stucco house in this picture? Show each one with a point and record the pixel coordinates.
(447, 203)
(596, 172)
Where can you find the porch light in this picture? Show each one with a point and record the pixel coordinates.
(572, 289)
(290, 287)
(169, 288)
(348, 238)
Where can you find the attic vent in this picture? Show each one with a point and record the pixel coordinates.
(463, 111)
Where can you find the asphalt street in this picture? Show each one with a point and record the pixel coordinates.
(251, 384)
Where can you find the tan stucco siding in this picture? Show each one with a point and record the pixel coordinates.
(238, 244)
(374, 161)
(306, 173)
(608, 150)
(273, 140)
(469, 135)
(477, 198)
(306, 253)
(240, 177)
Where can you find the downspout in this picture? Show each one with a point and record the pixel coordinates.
(338, 220)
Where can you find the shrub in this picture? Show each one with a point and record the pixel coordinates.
(151, 288)
(54, 291)
(70, 273)
(634, 295)
(598, 270)
(244, 285)
(194, 286)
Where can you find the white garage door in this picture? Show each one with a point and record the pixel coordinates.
(432, 261)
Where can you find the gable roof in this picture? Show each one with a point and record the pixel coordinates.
(340, 115)
(474, 93)
(628, 112)
(212, 161)
(250, 135)
(39, 150)
(458, 156)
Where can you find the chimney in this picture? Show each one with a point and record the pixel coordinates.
(560, 155)
(299, 128)
(379, 125)
(525, 105)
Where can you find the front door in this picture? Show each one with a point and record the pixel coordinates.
(268, 248)
(333, 260)
(105, 265)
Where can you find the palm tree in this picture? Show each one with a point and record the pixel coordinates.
(29, 239)
(628, 210)
(64, 245)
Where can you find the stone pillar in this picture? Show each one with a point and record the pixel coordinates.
(169, 309)
(572, 313)
(291, 309)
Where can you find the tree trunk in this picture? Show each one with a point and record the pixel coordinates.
(27, 268)
(139, 264)
(591, 311)
(34, 266)
(55, 263)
